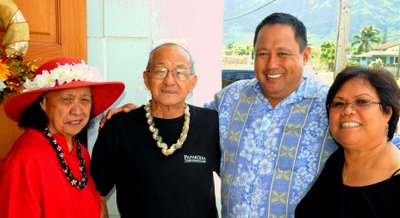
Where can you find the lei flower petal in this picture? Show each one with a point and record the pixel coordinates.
(2, 85)
(64, 74)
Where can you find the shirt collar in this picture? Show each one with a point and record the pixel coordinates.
(309, 88)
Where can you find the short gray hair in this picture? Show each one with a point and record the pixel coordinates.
(192, 68)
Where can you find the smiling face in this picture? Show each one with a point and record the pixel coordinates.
(169, 92)
(68, 110)
(279, 61)
(358, 128)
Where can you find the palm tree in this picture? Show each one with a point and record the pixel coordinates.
(368, 35)
(328, 54)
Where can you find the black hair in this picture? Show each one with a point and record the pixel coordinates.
(33, 116)
(298, 27)
(384, 84)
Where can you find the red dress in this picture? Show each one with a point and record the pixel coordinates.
(32, 183)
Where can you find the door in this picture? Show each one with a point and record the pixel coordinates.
(56, 28)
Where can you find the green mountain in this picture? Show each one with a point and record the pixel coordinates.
(320, 17)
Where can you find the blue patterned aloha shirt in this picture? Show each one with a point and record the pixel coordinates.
(270, 155)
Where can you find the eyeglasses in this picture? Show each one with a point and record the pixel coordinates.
(162, 72)
(359, 104)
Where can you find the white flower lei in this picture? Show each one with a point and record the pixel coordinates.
(2, 85)
(63, 74)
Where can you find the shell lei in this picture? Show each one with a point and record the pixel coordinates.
(164, 147)
(65, 168)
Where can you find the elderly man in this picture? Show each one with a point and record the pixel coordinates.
(161, 156)
(274, 132)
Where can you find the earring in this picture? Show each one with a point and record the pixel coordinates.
(387, 129)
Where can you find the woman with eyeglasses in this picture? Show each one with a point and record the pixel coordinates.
(361, 178)
(161, 156)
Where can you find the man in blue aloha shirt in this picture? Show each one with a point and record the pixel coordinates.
(274, 132)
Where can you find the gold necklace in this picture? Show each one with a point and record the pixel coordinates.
(164, 147)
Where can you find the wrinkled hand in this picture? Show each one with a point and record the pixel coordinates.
(125, 108)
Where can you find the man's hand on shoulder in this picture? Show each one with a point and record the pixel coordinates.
(125, 108)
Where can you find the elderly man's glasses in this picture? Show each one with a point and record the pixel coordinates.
(162, 72)
(359, 104)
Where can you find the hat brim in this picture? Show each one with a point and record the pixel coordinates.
(104, 94)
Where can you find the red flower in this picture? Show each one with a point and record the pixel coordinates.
(14, 71)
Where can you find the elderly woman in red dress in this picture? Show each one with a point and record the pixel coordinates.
(46, 173)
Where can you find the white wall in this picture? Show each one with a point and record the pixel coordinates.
(121, 33)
